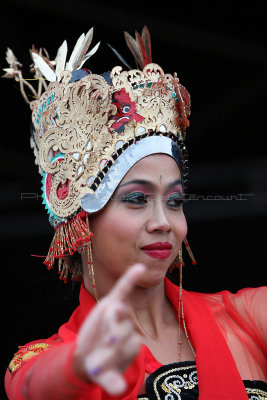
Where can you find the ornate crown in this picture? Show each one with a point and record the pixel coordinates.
(83, 122)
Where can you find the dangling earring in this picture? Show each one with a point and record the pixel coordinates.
(181, 318)
(90, 264)
(189, 251)
(179, 259)
(179, 264)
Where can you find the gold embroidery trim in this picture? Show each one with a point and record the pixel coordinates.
(262, 394)
(179, 369)
(25, 354)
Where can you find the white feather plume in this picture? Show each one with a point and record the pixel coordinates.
(44, 67)
(85, 46)
(79, 51)
(74, 53)
(76, 61)
(61, 59)
(89, 54)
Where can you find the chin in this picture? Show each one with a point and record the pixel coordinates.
(152, 278)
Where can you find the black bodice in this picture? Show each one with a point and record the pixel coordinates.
(179, 381)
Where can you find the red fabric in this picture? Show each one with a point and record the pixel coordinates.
(225, 329)
(218, 376)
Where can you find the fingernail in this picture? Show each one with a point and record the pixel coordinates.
(94, 371)
(141, 266)
(112, 340)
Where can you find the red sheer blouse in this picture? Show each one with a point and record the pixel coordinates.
(228, 332)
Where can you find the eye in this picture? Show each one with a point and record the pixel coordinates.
(175, 200)
(137, 198)
(126, 109)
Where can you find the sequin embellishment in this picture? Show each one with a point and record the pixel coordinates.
(26, 353)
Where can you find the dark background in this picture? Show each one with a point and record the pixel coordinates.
(219, 53)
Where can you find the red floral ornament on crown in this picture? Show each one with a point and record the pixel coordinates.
(125, 110)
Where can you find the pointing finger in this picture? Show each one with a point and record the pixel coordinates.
(126, 283)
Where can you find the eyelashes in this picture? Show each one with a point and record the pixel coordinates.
(134, 198)
(175, 200)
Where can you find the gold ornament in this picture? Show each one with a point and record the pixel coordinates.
(82, 122)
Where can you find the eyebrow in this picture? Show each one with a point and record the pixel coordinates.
(148, 184)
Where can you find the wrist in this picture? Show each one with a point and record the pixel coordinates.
(78, 366)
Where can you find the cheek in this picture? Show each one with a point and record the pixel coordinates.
(113, 230)
(115, 242)
(180, 228)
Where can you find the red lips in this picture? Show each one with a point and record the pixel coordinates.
(159, 250)
(158, 246)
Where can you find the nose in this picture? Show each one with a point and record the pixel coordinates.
(158, 219)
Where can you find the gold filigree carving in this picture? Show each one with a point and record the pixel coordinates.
(75, 134)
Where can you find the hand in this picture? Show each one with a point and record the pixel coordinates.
(108, 342)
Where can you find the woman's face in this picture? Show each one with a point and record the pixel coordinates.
(143, 222)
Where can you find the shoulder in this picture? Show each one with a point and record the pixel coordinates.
(246, 308)
(252, 305)
(244, 298)
(31, 350)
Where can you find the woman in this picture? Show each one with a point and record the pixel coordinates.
(111, 153)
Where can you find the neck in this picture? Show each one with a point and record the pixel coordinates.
(152, 311)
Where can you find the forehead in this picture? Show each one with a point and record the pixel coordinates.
(152, 167)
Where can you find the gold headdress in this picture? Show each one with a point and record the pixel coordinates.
(88, 130)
